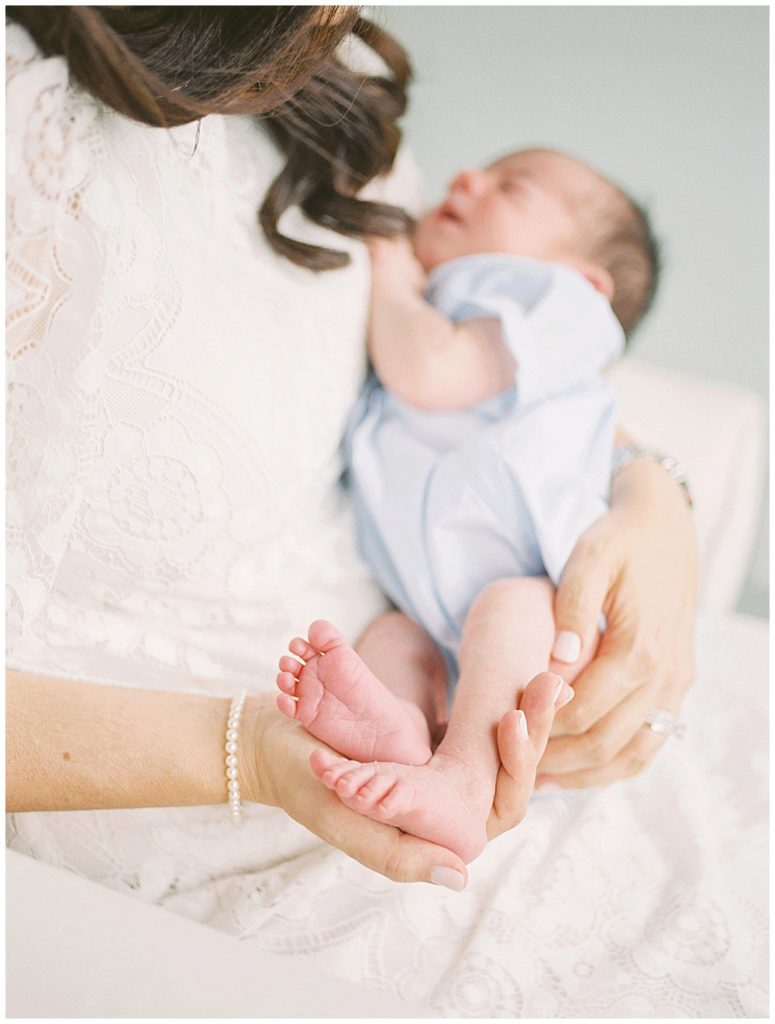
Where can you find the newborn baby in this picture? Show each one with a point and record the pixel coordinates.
(478, 454)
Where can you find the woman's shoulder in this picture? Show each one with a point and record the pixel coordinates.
(38, 85)
(26, 66)
(48, 123)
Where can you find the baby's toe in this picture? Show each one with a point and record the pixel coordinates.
(398, 800)
(301, 648)
(287, 705)
(331, 774)
(350, 782)
(287, 683)
(324, 636)
(321, 761)
(372, 791)
(286, 664)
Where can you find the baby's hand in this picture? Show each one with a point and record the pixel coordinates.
(395, 266)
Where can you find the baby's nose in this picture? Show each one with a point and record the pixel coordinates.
(472, 182)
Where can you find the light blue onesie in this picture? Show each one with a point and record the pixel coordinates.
(447, 502)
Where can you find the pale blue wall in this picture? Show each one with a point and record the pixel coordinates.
(671, 102)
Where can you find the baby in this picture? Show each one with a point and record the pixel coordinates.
(478, 454)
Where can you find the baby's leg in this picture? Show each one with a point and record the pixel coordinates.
(408, 663)
(338, 699)
(506, 641)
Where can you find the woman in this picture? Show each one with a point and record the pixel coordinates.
(179, 380)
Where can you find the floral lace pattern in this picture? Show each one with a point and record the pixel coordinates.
(174, 415)
(151, 508)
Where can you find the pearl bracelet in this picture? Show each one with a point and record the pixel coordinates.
(232, 771)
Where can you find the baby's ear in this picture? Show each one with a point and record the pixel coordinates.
(598, 277)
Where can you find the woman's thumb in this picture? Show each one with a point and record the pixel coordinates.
(578, 603)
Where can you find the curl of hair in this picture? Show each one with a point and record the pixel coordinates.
(167, 66)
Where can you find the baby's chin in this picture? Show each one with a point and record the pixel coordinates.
(433, 247)
(432, 252)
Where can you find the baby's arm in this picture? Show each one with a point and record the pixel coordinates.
(417, 353)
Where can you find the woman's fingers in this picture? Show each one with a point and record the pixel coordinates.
(599, 744)
(631, 760)
(603, 685)
(522, 737)
(579, 599)
(403, 857)
(629, 678)
(540, 700)
(638, 565)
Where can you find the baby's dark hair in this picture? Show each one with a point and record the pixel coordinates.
(626, 246)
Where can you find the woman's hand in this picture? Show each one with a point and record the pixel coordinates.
(519, 754)
(281, 777)
(638, 564)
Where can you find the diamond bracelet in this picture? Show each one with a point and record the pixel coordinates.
(232, 770)
(624, 454)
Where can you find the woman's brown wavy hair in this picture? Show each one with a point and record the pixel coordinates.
(166, 66)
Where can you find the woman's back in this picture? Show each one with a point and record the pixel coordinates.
(193, 384)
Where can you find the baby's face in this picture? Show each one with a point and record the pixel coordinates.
(534, 203)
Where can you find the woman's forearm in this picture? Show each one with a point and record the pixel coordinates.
(78, 746)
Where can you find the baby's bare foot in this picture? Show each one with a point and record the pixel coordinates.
(340, 701)
(442, 801)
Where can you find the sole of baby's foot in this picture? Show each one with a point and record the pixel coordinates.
(340, 701)
(441, 801)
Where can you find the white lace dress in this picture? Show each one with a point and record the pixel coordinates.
(176, 398)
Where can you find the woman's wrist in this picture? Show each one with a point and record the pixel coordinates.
(627, 452)
(252, 730)
(643, 488)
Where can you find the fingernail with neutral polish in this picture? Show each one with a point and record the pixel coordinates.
(449, 878)
(522, 725)
(567, 647)
(557, 689)
(566, 696)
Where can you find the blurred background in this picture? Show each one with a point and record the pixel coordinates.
(670, 102)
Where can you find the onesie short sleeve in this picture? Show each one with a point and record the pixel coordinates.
(53, 364)
(561, 331)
